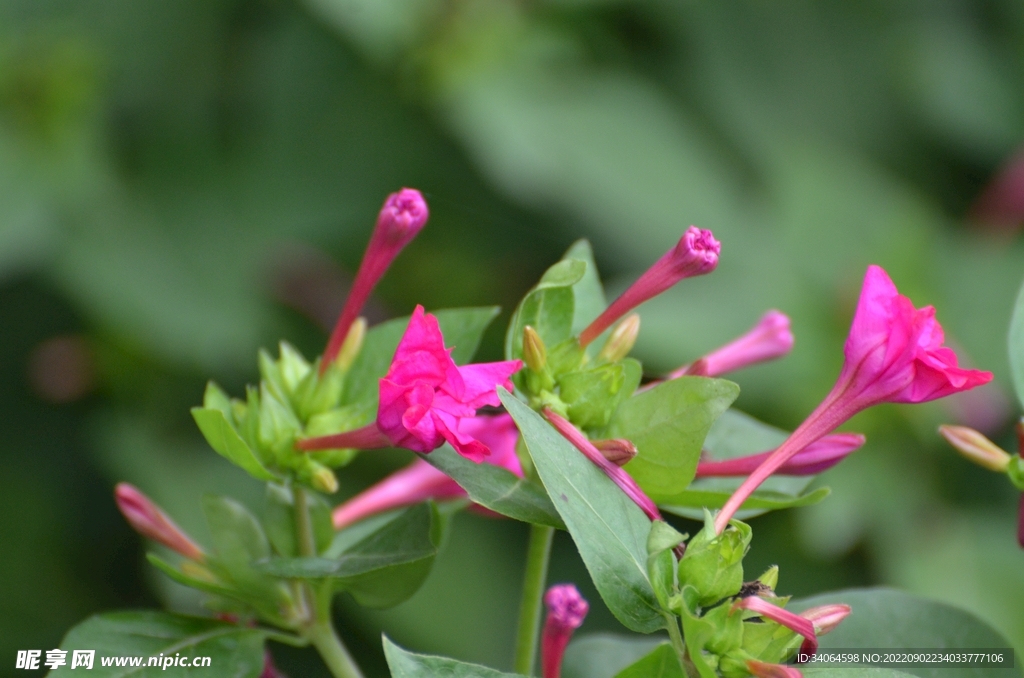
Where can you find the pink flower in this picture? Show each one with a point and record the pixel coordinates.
(769, 339)
(149, 521)
(566, 611)
(817, 457)
(765, 670)
(403, 216)
(612, 470)
(794, 622)
(425, 397)
(420, 481)
(894, 354)
(826, 617)
(696, 253)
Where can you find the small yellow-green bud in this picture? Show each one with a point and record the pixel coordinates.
(620, 341)
(976, 447)
(770, 578)
(352, 345)
(324, 480)
(535, 354)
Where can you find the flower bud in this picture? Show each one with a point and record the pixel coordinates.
(618, 451)
(976, 447)
(323, 480)
(352, 345)
(826, 617)
(621, 340)
(149, 521)
(535, 354)
(566, 611)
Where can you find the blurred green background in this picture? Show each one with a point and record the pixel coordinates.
(182, 183)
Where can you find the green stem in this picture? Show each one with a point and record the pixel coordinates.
(537, 556)
(320, 631)
(676, 638)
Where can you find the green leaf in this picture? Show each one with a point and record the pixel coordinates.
(381, 568)
(588, 293)
(661, 663)
(548, 307)
(668, 425)
(886, 618)
(609, 529)
(224, 439)
(233, 650)
(404, 664)
(239, 542)
(735, 434)
(462, 329)
(497, 489)
(594, 394)
(1016, 345)
(603, 655)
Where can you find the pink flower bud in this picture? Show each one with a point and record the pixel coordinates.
(976, 447)
(894, 354)
(765, 670)
(696, 253)
(566, 611)
(617, 475)
(403, 216)
(794, 622)
(618, 451)
(826, 617)
(817, 457)
(769, 339)
(148, 520)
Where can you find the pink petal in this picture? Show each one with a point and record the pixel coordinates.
(481, 381)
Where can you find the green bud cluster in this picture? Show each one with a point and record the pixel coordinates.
(293, 400)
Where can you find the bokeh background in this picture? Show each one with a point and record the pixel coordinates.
(184, 182)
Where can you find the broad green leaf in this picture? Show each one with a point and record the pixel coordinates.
(547, 308)
(497, 489)
(462, 329)
(662, 663)
(588, 293)
(1016, 345)
(603, 655)
(404, 664)
(609, 529)
(668, 425)
(735, 434)
(886, 618)
(224, 439)
(233, 650)
(381, 568)
(239, 543)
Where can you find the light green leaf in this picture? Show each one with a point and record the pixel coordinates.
(404, 664)
(497, 489)
(233, 650)
(603, 655)
(609, 529)
(588, 293)
(548, 308)
(224, 439)
(662, 663)
(668, 425)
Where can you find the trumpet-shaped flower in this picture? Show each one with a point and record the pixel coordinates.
(150, 521)
(817, 457)
(566, 611)
(769, 339)
(894, 353)
(420, 481)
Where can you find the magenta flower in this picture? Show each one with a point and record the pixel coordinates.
(894, 354)
(612, 470)
(826, 618)
(696, 253)
(817, 457)
(769, 339)
(148, 520)
(566, 611)
(792, 621)
(403, 216)
(420, 481)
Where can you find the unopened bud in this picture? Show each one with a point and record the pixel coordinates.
(324, 480)
(976, 447)
(621, 340)
(826, 617)
(149, 521)
(352, 345)
(618, 451)
(566, 611)
(535, 354)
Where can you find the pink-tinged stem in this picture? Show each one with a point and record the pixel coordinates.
(696, 253)
(403, 216)
(817, 457)
(794, 622)
(416, 482)
(566, 611)
(150, 521)
(617, 475)
(368, 437)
